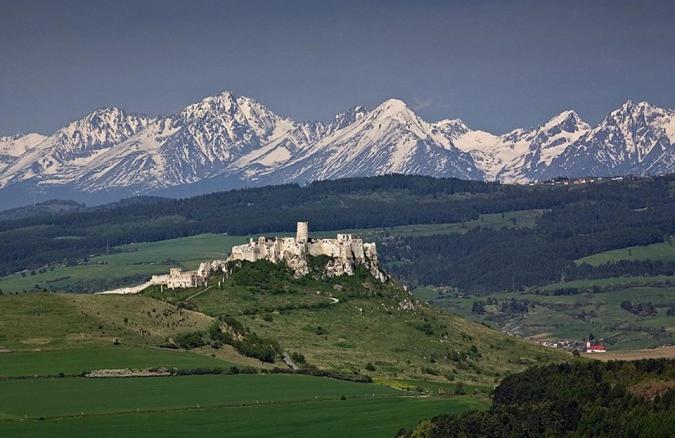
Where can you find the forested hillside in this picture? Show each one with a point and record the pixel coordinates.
(580, 399)
(566, 222)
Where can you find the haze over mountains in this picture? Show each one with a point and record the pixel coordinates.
(225, 142)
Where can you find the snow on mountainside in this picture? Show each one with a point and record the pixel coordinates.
(389, 139)
(59, 158)
(228, 141)
(634, 139)
(14, 146)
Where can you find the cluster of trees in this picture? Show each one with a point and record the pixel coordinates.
(579, 399)
(512, 305)
(242, 339)
(639, 309)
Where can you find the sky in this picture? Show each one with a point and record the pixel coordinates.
(497, 65)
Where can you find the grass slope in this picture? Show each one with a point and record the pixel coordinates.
(664, 251)
(76, 360)
(372, 329)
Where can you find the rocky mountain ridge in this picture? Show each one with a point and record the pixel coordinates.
(225, 141)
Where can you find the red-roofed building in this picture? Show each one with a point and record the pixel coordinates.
(595, 348)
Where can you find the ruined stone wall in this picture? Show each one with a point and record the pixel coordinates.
(347, 251)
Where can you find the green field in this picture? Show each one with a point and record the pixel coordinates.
(376, 417)
(664, 251)
(73, 396)
(76, 360)
(127, 264)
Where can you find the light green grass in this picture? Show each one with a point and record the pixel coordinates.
(664, 251)
(65, 321)
(379, 417)
(425, 293)
(75, 361)
(133, 263)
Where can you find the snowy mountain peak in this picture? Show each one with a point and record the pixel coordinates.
(568, 121)
(226, 141)
(222, 103)
(391, 107)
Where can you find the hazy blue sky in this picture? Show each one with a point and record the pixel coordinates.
(496, 64)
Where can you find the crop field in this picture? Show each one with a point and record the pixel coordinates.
(510, 219)
(664, 251)
(73, 396)
(326, 415)
(648, 353)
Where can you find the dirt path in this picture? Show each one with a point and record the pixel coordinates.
(194, 295)
(290, 362)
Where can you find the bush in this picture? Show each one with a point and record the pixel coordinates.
(297, 357)
(370, 366)
(190, 340)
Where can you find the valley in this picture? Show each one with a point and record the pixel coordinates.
(498, 274)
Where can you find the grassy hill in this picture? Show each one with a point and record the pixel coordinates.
(356, 325)
(350, 326)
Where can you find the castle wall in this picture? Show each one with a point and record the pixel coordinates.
(346, 251)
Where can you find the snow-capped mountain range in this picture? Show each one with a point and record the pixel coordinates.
(228, 142)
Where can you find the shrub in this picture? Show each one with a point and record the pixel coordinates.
(297, 357)
(370, 366)
(190, 340)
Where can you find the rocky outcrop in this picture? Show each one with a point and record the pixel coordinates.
(346, 253)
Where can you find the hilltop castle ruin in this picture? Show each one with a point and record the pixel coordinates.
(346, 253)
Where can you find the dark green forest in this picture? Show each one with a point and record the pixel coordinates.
(612, 399)
(578, 220)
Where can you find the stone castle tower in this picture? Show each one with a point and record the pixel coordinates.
(302, 233)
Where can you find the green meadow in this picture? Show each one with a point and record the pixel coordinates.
(663, 251)
(127, 264)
